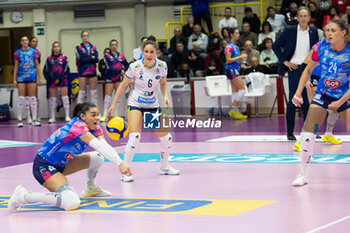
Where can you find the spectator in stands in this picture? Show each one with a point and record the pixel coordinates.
(248, 49)
(179, 57)
(102, 66)
(255, 67)
(187, 29)
(252, 19)
(214, 41)
(137, 53)
(332, 14)
(200, 10)
(277, 21)
(225, 35)
(346, 17)
(286, 4)
(266, 33)
(185, 71)
(227, 22)
(198, 42)
(212, 64)
(178, 36)
(316, 15)
(268, 57)
(341, 5)
(291, 15)
(246, 34)
(196, 64)
(161, 55)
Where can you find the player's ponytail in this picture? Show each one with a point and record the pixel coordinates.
(82, 108)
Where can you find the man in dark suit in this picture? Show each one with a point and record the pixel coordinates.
(291, 48)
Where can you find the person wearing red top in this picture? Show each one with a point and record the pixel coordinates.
(341, 4)
(333, 14)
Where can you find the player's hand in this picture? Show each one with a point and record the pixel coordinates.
(124, 169)
(291, 66)
(334, 105)
(57, 81)
(167, 102)
(308, 84)
(15, 83)
(110, 110)
(297, 100)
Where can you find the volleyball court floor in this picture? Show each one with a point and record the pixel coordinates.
(237, 179)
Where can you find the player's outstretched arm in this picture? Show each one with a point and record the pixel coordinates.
(107, 151)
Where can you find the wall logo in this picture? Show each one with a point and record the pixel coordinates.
(151, 119)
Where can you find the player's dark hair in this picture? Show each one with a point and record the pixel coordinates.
(107, 50)
(53, 44)
(82, 32)
(342, 25)
(231, 31)
(150, 42)
(113, 40)
(82, 108)
(31, 38)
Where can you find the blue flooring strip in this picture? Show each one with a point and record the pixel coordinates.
(242, 158)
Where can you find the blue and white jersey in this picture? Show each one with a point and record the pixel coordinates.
(233, 49)
(144, 93)
(335, 74)
(318, 68)
(65, 144)
(26, 64)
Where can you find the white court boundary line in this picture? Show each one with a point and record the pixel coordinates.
(329, 224)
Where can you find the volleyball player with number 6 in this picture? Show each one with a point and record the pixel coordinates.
(147, 74)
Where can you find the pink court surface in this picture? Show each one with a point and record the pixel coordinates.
(237, 179)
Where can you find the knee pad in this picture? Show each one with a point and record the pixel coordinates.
(52, 102)
(96, 160)
(133, 142)
(166, 142)
(240, 94)
(307, 143)
(332, 117)
(67, 199)
(21, 101)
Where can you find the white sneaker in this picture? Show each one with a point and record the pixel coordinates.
(29, 120)
(302, 179)
(169, 171)
(95, 191)
(20, 124)
(17, 199)
(67, 119)
(126, 178)
(51, 120)
(36, 123)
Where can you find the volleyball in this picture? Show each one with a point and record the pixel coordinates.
(117, 128)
